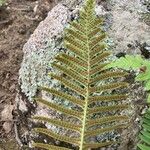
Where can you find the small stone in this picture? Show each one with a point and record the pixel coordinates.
(22, 106)
(12, 88)
(7, 126)
(6, 114)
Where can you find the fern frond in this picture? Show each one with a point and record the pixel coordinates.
(83, 73)
(76, 50)
(99, 58)
(110, 86)
(103, 130)
(48, 146)
(145, 133)
(94, 32)
(66, 111)
(107, 108)
(71, 74)
(97, 69)
(57, 136)
(108, 75)
(77, 35)
(74, 60)
(64, 96)
(107, 98)
(143, 147)
(96, 40)
(108, 119)
(73, 66)
(98, 49)
(95, 23)
(62, 124)
(73, 86)
(77, 26)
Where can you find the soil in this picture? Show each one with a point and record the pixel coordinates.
(18, 20)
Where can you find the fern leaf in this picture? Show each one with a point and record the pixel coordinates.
(76, 50)
(107, 98)
(99, 58)
(96, 40)
(65, 96)
(77, 35)
(55, 122)
(108, 119)
(107, 108)
(98, 49)
(143, 147)
(72, 66)
(110, 86)
(57, 136)
(48, 146)
(98, 69)
(69, 84)
(74, 60)
(103, 130)
(82, 69)
(108, 75)
(74, 113)
(128, 62)
(145, 133)
(70, 73)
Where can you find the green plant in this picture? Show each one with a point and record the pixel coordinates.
(2, 2)
(81, 71)
(145, 133)
(136, 63)
(144, 136)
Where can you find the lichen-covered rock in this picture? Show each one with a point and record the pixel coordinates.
(127, 28)
(43, 45)
(40, 50)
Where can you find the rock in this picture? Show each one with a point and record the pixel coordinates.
(6, 114)
(126, 26)
(7, 117)
(40, 50)
(20, 104)
(7, 126)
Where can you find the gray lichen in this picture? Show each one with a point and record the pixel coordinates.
(40, 50)
(35, 67)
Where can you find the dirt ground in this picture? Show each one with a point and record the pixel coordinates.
(18, 20)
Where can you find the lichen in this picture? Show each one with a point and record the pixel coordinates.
(35, 67)
(40, 50)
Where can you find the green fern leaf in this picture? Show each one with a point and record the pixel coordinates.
(82, 71)
(147, 85)
(128, 62)
(145, 133)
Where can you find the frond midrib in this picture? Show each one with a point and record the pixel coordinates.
(87, 91)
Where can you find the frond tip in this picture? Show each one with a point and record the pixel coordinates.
(145, 133)
(88, 86)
